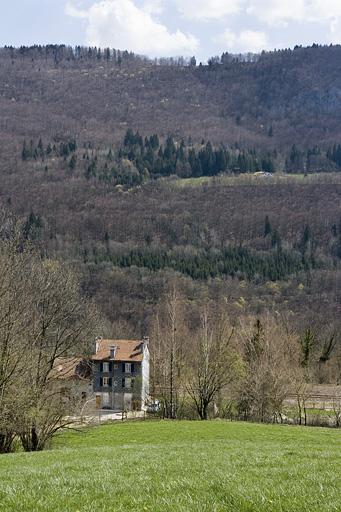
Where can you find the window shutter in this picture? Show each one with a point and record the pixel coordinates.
(110, 382)
(123, 383)
(110, 367)
(101, 382)
(101, 367)
(123, 367)
(132, 367)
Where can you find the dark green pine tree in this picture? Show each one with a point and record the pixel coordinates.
(40, 148)
(154, 141)
(295, 163)
(129, 138)
(220, 161)
(306, 238)
(73, 162)
(276, 239)
(267, 227)
(307, 342)
(25, 154)
(33, 227)
(48, 149)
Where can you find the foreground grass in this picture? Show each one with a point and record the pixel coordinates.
(178, 466)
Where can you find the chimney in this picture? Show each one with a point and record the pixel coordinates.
(145, 342)
(113, 350)
(97, 343)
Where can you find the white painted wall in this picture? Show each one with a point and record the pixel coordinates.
(145, 376)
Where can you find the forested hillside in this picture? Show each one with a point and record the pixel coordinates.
(139, 173)
(278, 99)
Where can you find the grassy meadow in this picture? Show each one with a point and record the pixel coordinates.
(278, 178)
(178, 466)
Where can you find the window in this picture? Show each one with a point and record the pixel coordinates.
(127, 383)
(105, 400)
(127, 367)
(105, 382)
(105, 367)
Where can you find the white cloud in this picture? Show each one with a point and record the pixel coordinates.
(121, 24)
(244, 41)
(153, 6)
(323, 10)
(71, 10)
(273, 12)
(277, 12)
(280, 13)
(335, 31)
(142, 25)
(208, 9)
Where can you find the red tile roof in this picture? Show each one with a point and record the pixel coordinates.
(126, 350)
(70, 368)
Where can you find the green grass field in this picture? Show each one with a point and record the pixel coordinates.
(250, 179)
(178, 466)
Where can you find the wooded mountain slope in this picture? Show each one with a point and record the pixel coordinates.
(286, 97)
(262, 245)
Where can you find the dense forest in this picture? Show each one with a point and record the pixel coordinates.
(139, 159)
(138, 173)
(237, 233)
(270, 101)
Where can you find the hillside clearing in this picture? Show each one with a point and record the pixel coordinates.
(178, 466)
(228, 180)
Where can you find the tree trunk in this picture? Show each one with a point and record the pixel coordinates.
(202, 410)
(34, 439)
(30, 440)
(6, 442)
(305, 413)
(299, 410)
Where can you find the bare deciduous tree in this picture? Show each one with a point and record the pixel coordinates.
(213, 362)
(42, 317)
(62, 324)
(167, 361)
(271, 355)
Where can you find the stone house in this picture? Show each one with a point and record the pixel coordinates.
(121, 374)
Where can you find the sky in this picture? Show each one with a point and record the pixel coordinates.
(156, 28)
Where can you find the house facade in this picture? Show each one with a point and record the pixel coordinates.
(121, 374)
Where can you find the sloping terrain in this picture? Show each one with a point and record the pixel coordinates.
(178, 466)
(129, 242)
(290, 96)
